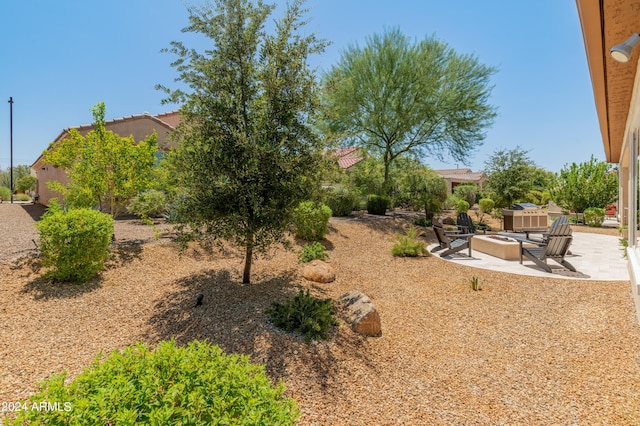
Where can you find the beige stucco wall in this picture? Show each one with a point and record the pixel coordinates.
(137, 126)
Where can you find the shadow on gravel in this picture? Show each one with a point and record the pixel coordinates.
(232, 316)
(43, 288)
(125, 252)
(34, 210)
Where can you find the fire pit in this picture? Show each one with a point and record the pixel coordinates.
(499, 246)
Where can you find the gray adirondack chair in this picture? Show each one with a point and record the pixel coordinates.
(451, 244)
(556, 246)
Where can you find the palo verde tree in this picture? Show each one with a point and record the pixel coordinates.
(395, 97)
(247, 154)
(104, 169)
(589, 184)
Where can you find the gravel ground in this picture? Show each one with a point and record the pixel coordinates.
(521, 351)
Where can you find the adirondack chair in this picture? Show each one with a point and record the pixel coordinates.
(465, 224)
(451, 244)
(556, 247)
(561, 220)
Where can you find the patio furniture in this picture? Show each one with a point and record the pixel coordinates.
(556, 247)
(561, 220)
(465, 224)
(451, 244)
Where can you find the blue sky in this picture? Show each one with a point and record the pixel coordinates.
(57, 59)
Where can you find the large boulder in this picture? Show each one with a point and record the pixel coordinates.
(361, 313)
(319, 272)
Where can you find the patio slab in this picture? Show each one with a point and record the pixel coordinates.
(595, 257)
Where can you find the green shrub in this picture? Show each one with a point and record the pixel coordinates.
(377, 204)
(408, 245)
(309, 252)
(594, 216)
(21, 197)
(74, 243)
(311, 220)
(467, 192)
(451, 202)
(147, 204)
(462, 206)
(195, 385)
(341, 201)
(5, 193)
(308, 315)
(486, 205)
(423, 221)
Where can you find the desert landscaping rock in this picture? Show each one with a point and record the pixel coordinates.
(319, 272)
(361, 313)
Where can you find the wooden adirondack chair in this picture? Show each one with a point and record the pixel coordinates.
(557, 244)
(561, 220)
(465, 224)
(451, 244)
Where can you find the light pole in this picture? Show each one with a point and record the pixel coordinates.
(11, 146)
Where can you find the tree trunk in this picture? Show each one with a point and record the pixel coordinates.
(246, 276)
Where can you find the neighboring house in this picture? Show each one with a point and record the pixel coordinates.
(606, 24)
(455, 177)
(139, 126)
(347, 157)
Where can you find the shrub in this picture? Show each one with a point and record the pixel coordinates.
(450, 203)
(377, 204)
(5, 193)
(311, 220)
(486, 205)
(408, 245)
(462, 206)
(197, 384)
(147, 204)
(341, 201)
(309, 252)
(308, 315)
(21, 197)
(74, 243)
(467, 192)
(423, 221)
(594, 216)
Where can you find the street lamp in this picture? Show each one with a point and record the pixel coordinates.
(11, 146)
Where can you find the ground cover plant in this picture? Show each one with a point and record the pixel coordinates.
(310, 316)
(197, 385)
(314, 251)
(409, 246)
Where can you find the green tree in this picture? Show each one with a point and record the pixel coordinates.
(104, 169)
(248, 154)
(26, 183)
(589, 184)
(395, 97)
(428, 191)
(508, 175)
(18, 172)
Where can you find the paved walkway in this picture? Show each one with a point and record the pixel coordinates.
(595, 257)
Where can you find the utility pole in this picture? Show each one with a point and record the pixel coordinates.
(11, 146)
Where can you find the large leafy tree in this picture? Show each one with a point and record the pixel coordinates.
(247, 153)
(509, 175)
(394, 96)
(104, 169)
(18, 173)
(589, 184)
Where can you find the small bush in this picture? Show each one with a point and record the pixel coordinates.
(377, 204)
(462, 206)
(467, 192)
(594, 216)
(309, 252)
(74, 243)
(5, 193)
(423, 221)
(341, 201)
(21, 197)
(486, 205)
(308, 315)
(311, 220)
(451, 202)
(148, 204)
(408, 245)
(196, 385)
